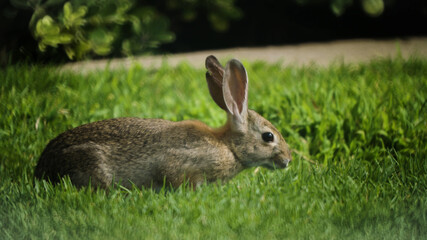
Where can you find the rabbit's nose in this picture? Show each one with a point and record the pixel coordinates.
(286, 162)
(282, 163)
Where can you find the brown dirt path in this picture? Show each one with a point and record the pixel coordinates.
(323, 54)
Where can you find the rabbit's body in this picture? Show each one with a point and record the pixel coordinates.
(156, 152)
(147, 151)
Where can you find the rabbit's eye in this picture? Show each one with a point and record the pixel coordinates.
(268, 137)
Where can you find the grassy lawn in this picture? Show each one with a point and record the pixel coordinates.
(359, 135)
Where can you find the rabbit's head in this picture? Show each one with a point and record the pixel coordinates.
(253, 139)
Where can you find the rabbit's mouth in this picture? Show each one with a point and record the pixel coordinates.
(276, 164)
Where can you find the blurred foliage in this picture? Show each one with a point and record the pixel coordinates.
(373, 8)
(218, 12)
(58, 30)
(96, 27)
(91, 28)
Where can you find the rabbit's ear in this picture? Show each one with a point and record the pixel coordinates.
(214, 78)
(235, 90)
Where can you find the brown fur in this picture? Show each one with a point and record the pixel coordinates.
(148, 152)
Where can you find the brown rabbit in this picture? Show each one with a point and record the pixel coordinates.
(154, 152)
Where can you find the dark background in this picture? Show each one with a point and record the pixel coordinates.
(283, 22)
(265, 22)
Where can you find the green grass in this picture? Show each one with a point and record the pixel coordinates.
(359, 134)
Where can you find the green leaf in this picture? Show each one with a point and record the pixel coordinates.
(81, 12)
(67, 10)
(42, 46)
(70, 52)
(46, 27)
(52, 41)
(65, 38)
(82, 48)
(124, 6)
(126, 47)
(101, 41)
(136, 24)
(373, 7)
(74, 19)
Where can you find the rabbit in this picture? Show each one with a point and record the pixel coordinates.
(153, 153)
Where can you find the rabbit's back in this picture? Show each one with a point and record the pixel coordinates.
(145, 152)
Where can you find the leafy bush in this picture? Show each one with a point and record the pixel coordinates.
(111, 27)
(99, 27)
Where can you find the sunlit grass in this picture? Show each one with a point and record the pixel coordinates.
(359, 135)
